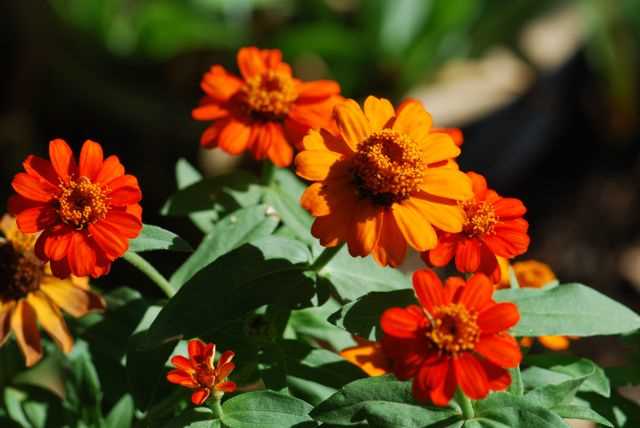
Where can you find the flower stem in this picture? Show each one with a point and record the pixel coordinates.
(145, 267)
(325, 257)
(215, 404)
(465, 405)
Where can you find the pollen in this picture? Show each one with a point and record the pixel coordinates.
(480, 218)
(269, 96)
(82, 202)
(453, 329)
(388, 167)
(20, 273)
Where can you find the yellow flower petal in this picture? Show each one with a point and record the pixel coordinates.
(24, 326)
(5, 320)
(413, 120)
(555, 343)
(445, 214)
(439, 147)
(378, 111)
(315, 165)
(76, 300)
(51, 320)
(414, 226)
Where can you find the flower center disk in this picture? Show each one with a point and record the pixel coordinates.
(480, 218)
(19, 273)
(388, 167)
(82, 203)
(269, 96)
(454, 329)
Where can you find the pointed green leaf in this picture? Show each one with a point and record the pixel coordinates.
(156, 238)
(266, 409)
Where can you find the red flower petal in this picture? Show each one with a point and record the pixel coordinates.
(435, 383)
(91, 159)
(62, 159)
(227, 386)
(111, 169)
(109, 239)
(125, 190)
(471, 376)
(442, 254)
(81, 255)
(468, 255)
(126, 225)
(498, 317)
(250, 62)
(182, 363)
(401, 323)
(478, 185)
(224, 370)
(509, 207)
(477, 293)
(33, 188)
(41, 169)
(226, 357)
(196, 348)
(500, 349)
(429, 290)
(56, 243)
(499, 378)
(35, 219)
(181, 378)
(317, 89)
(453, 288)
(200, 396)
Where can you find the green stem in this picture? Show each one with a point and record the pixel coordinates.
(268, 172)
(465, 405)
(215, 404)
(325, 257)
(145, 267)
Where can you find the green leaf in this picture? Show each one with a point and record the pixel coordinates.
(235, 229)
(502, 410)
(311, 324)
(362, 316)
(199, 417)
(155, 238)
(354, 276)
(595, 378)
(284, 196)
(233, 190)
(122, 413)
(186, 175)
(581, 412)
(82, 384)
(266, 409)
(381, 401)
(568, 310)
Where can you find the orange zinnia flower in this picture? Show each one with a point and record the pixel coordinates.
(265, 111)
(200, 373)
(493, 226)
(454, 133)
(87, 211)
(29, 295)
(458, 337)
(383, 182)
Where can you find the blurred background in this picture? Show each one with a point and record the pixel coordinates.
(546, 92)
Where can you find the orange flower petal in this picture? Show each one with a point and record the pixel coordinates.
(219, 84)
(209, 111)
(392, 247)
(477, 294)
(352, 123)
(315, 165)
(91, 159)
(317, 89)
(454, 133)
(367, 222)
(439, 147)
(324, 141)
(211, 135)
(280, 151)
(401, 323)
(414, 226)
(379, 112)
(181, 378)
(509, 207)
(555, 343)
(442, 254)
(6, 310)
(413, 120)
(234, 138)
(62, 159)
(445, 214)
(250, 62)
(32, 188)
(447, 183)
(227, 387)
(23, 324)
(182, 363)
(334, 227)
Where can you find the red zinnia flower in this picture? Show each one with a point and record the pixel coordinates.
(457, 338)
(265, 111)
(199, 372)
(87, 211)
(493, 226)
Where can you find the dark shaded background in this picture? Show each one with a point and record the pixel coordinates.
(126, 74)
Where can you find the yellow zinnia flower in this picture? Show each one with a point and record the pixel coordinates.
(385, 181)
(30, 294)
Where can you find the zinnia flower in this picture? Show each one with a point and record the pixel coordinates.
(384, 182)
(454, 133)
(457, 338)
(368, 356)
(493, 226)
(30, 294)
(87, 211)
(266, 110)
(200, 373)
